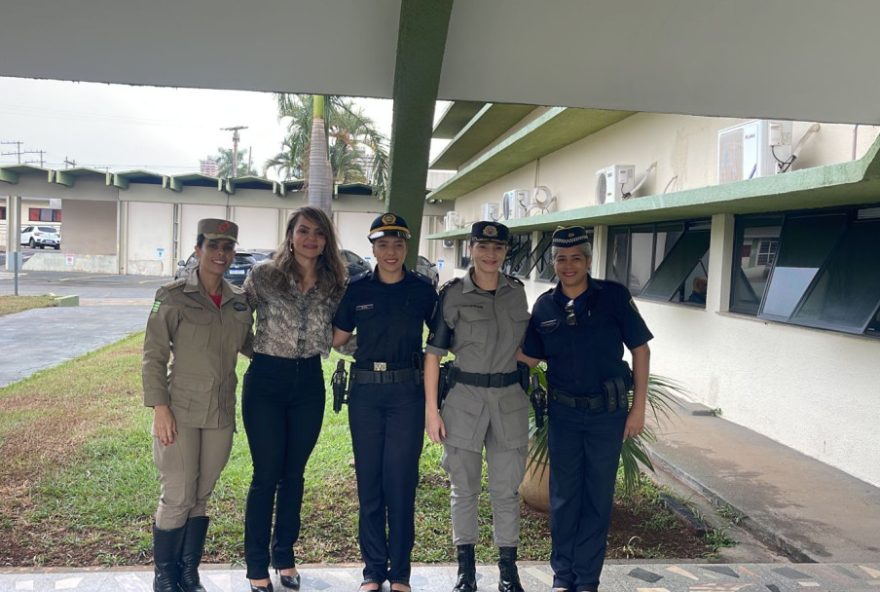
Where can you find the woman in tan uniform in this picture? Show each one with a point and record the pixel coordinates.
(199, 323)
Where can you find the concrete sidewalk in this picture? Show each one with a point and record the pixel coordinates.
(41, 338)
(646, 577)
(802, 507)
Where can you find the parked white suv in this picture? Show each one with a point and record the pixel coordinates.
(41, 236)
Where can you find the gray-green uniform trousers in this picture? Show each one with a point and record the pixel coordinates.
(487, 330)
(202, 343)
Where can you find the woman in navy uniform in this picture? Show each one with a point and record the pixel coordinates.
(580, 328)
(200, 323)
(481, 318)
(389, 307)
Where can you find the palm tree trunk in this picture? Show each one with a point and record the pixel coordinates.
(320, 179)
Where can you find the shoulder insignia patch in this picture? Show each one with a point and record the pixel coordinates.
(449, 284)
(632, 303)
(156, 305)
(240, 306)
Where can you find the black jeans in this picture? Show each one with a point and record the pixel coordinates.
(282, 407)
(387, 432)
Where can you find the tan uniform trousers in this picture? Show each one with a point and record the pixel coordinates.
(188, 470)
(497, 419)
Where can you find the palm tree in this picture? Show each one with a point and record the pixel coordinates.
(224, 164)
(355, 149)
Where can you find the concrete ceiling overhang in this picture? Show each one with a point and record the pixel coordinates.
(793, 59)
(486, 125)
(850, 183)
(552, 130)
(456, 116)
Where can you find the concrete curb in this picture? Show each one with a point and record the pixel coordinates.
(72, 300)
(765, 533)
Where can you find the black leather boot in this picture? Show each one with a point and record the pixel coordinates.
(166, 558)
(508, 579)
(467, 570)
(191, 556)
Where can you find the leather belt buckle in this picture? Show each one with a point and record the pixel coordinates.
(380, 366)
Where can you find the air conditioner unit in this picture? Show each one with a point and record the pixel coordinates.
(452, 221)
(490, 212)
(613, 181)
(515, 204)
(543, 200)
(752, 149)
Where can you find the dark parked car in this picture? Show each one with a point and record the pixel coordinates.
(235, 275)
(428, 269)
(356, 265)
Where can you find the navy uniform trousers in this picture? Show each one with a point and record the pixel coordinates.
(387, 424)
(584, 452)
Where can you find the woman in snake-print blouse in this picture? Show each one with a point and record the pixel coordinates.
(295, 295)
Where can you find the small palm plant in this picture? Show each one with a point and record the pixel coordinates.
(661, 400)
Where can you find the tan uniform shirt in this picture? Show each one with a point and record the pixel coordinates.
(202, 343)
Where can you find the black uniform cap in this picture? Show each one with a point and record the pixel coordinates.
(570, 237)
(388, 225)
(490, 232)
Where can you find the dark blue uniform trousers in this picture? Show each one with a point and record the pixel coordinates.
(387, 425)
(584, 453)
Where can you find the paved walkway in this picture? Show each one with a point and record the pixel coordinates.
(42, 338)
(809, 510)
(674, 577)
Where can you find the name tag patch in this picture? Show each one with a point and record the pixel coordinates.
(361, 307)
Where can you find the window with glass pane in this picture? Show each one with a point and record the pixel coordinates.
(641, 259)
(846, 291)
(464, 260)
(757, 242)
(618, 255)
(517, 261)
(805, 244)
(542, 258)
(685, 260)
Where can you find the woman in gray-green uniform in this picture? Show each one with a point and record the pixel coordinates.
(199, 324)
(481, 318)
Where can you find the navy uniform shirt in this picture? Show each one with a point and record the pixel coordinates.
(580, 357)
(390, 318)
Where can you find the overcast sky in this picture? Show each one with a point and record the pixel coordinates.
(165, 130)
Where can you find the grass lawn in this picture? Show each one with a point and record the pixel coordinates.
(78, 486)
(14, 304)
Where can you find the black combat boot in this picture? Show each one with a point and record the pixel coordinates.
(467, 570)
(191, 556)
(166, 557)
(508, 579)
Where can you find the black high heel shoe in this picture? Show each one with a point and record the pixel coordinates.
(266, 588)
(289, 582)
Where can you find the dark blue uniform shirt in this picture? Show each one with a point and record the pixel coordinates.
(580, 357)
(390, 318)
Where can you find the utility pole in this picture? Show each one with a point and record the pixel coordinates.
(69, 163)
(17, 149)
(235, 139)
(40, 152)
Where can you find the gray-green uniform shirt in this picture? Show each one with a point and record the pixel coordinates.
(487, 330)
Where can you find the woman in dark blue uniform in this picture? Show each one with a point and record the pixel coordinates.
(389, 308)
(580, 328)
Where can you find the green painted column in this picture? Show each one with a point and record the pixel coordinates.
(421, 43)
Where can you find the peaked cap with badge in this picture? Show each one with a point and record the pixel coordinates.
(490, 232)
(215, 228)
(389, 225)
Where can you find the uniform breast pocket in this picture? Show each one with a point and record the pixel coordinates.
(519, 319)
(473, 326)
(196, 328)
(552, 336)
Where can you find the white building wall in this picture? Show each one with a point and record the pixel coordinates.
(257, 227)
(813, 390)
(353, 228)
(149, 239)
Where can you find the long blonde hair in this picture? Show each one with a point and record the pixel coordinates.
(330, 267)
